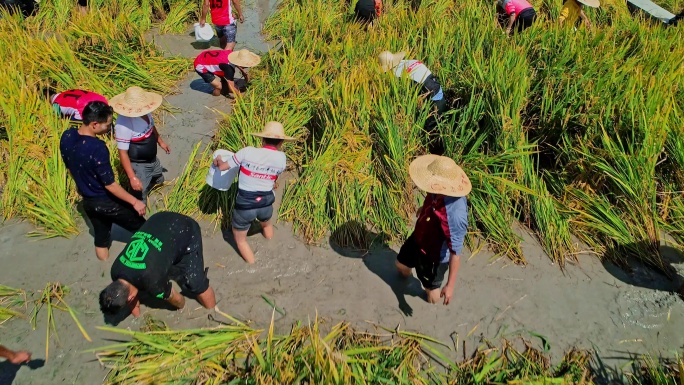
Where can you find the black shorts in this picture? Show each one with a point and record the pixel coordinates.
(431, 274)
(364, 11)
(189, 271)
(525, 19)
(83, 3)
(105, 211)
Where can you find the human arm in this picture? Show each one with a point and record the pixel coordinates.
(511, 21)
(203, 13)
(233, 89)
(134, 305)
(244, 73)
(233, 161)
(585, 19)
(15, 357)
(238, 9)
(136, 184)
(118, 191)
(161, 142)
(448, 289)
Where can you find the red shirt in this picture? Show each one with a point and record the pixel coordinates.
(221, 12)
(442, 226)
(209, 60)
(72, 102)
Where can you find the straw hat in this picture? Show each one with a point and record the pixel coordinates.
(439, 175)
(244, 58)
(135, 102)
(590, 3)
(274, 130)
(389, 60)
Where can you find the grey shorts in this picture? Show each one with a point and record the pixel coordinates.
(229, 31)
(150, 175)
(242, 219)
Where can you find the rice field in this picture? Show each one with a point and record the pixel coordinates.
(319, 353)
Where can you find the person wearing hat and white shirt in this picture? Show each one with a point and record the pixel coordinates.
(223, 19)
(420, 74)
(572, 11)
(521, 14)
(86, 157)
(217, 66)
(435, 245)
(259, 170)
(137, 139)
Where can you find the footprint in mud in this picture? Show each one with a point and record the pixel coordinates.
(645, 309)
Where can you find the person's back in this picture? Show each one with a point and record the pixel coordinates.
(159, 244)
(72, 102)
(210, 61)
(84, 156)
(516, 6)
(570, 12)
(259, 168)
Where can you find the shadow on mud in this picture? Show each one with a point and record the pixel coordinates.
(352, 240)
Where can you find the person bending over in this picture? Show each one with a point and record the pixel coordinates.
(217, 67)
(168, 246)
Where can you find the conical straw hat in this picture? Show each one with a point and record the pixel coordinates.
(244, 58)
(439, 175)
(389, 60)
(135, 102)
(274, 130)
(590, 3)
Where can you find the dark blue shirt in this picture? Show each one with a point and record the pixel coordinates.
(87, 158)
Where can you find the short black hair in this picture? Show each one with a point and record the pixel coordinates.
(272, 142)
(97, 112)
(114, 297)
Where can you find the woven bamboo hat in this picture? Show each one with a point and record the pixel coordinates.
(244, 58)
(274, 130)
(590, 3)
(135, 102)
(439, 175)
(389, 60)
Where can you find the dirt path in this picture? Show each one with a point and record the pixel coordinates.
(588, 306)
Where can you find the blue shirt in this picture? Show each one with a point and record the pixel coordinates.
(87, 158)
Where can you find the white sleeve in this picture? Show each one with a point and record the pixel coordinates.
(123, 134)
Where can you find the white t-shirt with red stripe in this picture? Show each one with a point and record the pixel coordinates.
(129, 130)
(259, 167)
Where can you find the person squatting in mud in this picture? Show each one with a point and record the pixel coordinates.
(217, 67)
(167, 247)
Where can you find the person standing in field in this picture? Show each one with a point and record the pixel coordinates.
(429, 83)
(572, 11)
(17, 357)
(521, 14)
(217, 67)
(137, 139)
(223, 19)
(366, 11)
(87, 158)
(70, 104)
(168, 246)
(259, 170)
(435, 245)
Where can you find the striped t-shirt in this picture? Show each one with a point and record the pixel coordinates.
(259, 167)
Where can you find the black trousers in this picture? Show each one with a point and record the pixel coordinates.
(105, 211)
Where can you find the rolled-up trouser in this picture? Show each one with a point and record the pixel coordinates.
(150, 175)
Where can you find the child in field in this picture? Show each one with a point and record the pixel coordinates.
(572, 11)
(259, 170)
(366, 11)
(217, 67)
(435, 245)
(70, 104)
(520, 13)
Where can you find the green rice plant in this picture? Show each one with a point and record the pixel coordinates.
(52, 297)
(650, 370)
(10, 300)
(180, 14)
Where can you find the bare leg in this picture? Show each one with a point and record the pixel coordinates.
(223, 42)
(207, 299)
(267, 229)
(83, 10)
(243, 247)
(216, 83)
(230, 46)
(432, 295)
(102, 253)
(404, 270)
